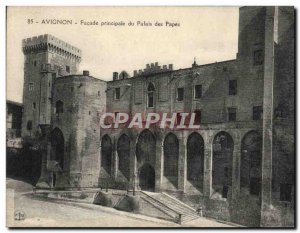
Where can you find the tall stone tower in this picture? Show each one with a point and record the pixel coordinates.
(46, 58)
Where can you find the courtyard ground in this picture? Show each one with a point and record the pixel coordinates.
(24, 210)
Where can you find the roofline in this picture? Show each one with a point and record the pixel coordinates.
(172, 71)
(78, 75)
(14, 103)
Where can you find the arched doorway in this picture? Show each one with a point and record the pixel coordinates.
(58, 147)
(146, 147)
(123, 148)
(222, 163)
(147, 177)
(57, 152)
(106, 154)
(171, 156)
(251, 155)
(195, 160)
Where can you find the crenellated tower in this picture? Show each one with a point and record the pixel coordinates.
(46, 58)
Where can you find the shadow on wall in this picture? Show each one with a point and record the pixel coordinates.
(23, 164)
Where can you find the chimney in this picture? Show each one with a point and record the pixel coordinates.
(170, 66)
(86, 73)
(115, 75)
(135, 73)
(165, 67)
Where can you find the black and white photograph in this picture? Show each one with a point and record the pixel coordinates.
(150, 117)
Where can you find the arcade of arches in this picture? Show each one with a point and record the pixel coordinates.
(213, 166)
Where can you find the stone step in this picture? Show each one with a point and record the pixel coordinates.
(171, 206)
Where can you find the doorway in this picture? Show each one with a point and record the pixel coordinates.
(147, 178)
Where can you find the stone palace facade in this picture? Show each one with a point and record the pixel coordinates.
(239, 165)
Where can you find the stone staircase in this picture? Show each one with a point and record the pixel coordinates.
(177, 210)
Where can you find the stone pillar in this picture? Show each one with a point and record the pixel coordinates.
(114, 166)
(133, 169)
(45, 178)
(182, 167)
(158, 165)
(207, 180)
(236, 158)
(268, 115)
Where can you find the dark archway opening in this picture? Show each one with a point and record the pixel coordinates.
(147, 178)
(106, 154)
(146, 147)
(251, 162)
(123, 149)
(58, 147)
(195, 160)
(222, 163)
(171, 156)
(57, 152)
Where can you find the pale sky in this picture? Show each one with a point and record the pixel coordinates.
(208, 33)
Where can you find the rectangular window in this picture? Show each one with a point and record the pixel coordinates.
(285, 192)
(178, 118)
(180, 94)
(117, 93)
(257, 112)
(198, 91)
(68, 69)
(231, 114)
(116, 115)
(29, 125)
(232, 87)
(33, 105)
(197, 117)
(150, 100)
(30, 86)
(35, 63)
(258, 57)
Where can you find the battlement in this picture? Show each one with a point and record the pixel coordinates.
(51, 68)
(52, 44)
(153, 68)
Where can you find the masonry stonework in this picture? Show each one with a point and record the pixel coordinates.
(239, 166)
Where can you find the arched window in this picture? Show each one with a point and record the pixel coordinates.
(150, 95)
(59, 106)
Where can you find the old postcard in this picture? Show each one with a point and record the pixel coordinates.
(150, 117)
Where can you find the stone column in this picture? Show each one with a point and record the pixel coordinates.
(114, 159)
(207, 181)
(236, 157)
(182, 167)
(45, 178)
(268, 110)
(133, 169)
(158, 165)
